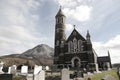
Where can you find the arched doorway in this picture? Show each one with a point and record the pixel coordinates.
(76, 62)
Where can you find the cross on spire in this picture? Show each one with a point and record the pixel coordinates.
(74, 26)
(60, 6)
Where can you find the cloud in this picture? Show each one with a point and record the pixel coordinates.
(17, 26)
(69, 27)
(113, 45)
(68, 3)
(80, 13)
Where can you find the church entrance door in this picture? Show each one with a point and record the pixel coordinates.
(75, 62)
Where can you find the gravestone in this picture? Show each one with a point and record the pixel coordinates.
(6, 76)
(12, 69)
(1, 68)
(29, 77)
(24, 69)
(9, 70)
(40, 75)
(47, 67)
(37, 69)
(65, 74)
(108, 65)
(1, 65)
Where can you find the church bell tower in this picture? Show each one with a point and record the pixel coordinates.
(60, 36)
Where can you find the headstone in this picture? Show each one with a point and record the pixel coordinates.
(29, 77)
(40, 75)
(1, 67)
(96, 66)
(65, 74)
(6, 77)
(12, 69)
(9, 70)
(108, 65)
(37, 69)
(24, 69)
(47, 67)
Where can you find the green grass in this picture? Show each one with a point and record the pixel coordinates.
(99, 76)
(19, 78)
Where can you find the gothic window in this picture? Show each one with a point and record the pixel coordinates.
(57, 30)
(62, 43)
(61, 20)
(74, 33)
(57, 21)
(70, 46)
(57, 44)
(75, 44)
(80, 45)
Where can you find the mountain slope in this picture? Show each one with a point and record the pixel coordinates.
(42, 50)
(40, 55)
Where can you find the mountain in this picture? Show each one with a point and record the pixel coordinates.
(42, 50)
(40, 55)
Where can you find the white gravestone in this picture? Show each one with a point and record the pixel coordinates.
(12, 69)
(37, 69)
(1, 67)
(65, 74)
(47, 67)
(24, 69)
(9, 70)
(40, 75)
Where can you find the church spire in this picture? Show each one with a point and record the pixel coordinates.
(88, 36)
(60, 13)
(108, 53)
(74, 26)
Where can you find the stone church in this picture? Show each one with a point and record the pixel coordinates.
(76, 51)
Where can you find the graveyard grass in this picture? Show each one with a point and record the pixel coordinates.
(19, 78)
(99, 76)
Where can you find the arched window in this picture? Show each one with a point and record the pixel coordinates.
(57, 44)
(62, 43)
(75, 45)
(80, 45)
(57, 20)
(69, 47)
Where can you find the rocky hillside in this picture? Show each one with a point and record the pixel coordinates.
(40, 55)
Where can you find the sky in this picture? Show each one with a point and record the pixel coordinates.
(25, 24)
